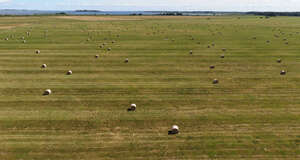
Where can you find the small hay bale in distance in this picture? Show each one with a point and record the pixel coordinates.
(37, 51)
(126, 60)
(44, 66)
(279, 60)
(191, 51)
(24, 41)
(222, 56)
(215, 81)
(174, 130)
(6, 39)
(212, 67)
(283, 72)
(47, 92)
(69, 72)
(108, 49)
(132, 107)
(97, 56)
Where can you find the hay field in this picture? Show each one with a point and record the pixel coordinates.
(252, 113)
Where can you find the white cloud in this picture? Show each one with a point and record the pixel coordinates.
(3, 1)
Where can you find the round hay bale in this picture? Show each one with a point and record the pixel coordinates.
(132, 107)
(96, 56)
(28, 33)
(283, 72)
(108, 49)
(22, 38)
(212, 67)
(44, 66)
(6, 39)
(174, 130)
(222, 56)
(37, 51)
(69, 72)
(208, 46)
(126, 60)
(47, 92)
(279, 60)
(215, 81)
(191, 52)
(101, 46)
(24, 41)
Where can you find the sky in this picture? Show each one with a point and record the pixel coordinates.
(154, 5)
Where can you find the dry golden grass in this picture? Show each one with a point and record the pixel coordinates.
(253, 113)
(11, 26)
(100, 18)
(127, 18)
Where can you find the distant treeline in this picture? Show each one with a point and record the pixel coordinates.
(161, 14)
(171, 13)
(87, 10)
(11, 12)
(267, 14)
(272, 14)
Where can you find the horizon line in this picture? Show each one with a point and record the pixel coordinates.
(146, 10)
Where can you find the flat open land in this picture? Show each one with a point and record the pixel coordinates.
(252, 113)
(100, 18)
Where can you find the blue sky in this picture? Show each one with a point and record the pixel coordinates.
(136, 5)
